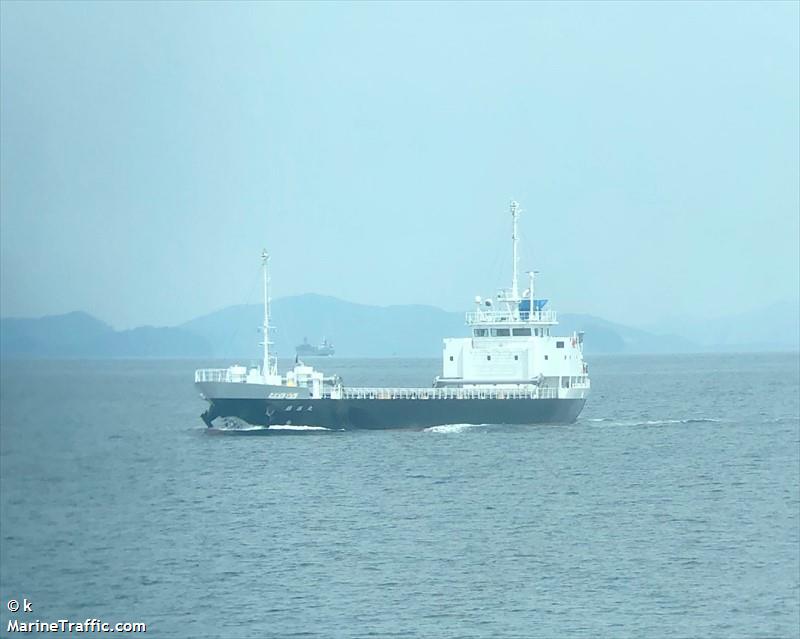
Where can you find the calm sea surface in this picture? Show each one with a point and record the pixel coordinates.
(669, 510)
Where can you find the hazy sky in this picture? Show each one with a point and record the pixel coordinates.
(148, 151)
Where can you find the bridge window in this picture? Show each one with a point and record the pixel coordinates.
(480, 332)
(501, 332)
(559, 344)
(516, 357)
(521, 332)
(488, 358)
(451, 358)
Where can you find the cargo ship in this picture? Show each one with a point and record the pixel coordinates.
(309, 350)
(512, 368)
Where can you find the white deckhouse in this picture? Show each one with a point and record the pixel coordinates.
(514, 345)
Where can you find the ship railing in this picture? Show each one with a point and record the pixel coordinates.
(216, 375)
(512, 317)
(448, 393)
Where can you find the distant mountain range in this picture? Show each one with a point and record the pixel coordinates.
(358, 330)
(774, 327)
(79, 335)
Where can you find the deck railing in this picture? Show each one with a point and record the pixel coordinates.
(448, 393)
(218, 375)
(511, 317)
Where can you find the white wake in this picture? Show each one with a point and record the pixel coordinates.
(451, 428)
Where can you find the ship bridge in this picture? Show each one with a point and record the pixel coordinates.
(511, 346)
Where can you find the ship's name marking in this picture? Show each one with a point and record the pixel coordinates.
(283, 395)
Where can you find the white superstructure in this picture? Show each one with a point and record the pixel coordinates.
(514, 344)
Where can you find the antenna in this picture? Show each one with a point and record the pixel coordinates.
(515, 211)
(266, 368)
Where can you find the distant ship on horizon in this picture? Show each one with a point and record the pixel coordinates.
(309, 350)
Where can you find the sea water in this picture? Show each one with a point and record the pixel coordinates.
(669, 509)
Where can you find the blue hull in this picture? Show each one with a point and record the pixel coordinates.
(378, 414)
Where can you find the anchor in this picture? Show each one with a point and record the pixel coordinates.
(209, 416)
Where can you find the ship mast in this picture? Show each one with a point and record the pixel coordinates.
(515, 211)
(266, 368)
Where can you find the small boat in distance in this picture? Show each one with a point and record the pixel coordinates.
(309, 350)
